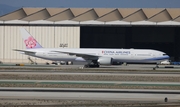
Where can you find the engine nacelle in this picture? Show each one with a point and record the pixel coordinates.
(105, 61)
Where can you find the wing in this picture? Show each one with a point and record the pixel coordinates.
(86, 56)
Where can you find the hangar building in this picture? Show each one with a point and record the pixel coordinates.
(142, 28)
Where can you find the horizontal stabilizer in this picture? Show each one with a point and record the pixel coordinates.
(25, 51)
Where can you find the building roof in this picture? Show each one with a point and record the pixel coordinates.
(108, 16)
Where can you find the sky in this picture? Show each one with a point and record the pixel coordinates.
(94, 3)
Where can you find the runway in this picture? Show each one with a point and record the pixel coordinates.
(109, 85)
(120, 73)
(88, 90)
(148, 67)
(120, 83)
(89, 94)
(88, 97)
(79, 99)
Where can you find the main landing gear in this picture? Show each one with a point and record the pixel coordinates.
(157, 66)
(92, 64)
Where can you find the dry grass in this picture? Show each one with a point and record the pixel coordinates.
(90, 77)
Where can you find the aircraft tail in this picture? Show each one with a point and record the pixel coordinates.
(28, 39)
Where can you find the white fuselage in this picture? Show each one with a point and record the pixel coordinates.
(121, 55)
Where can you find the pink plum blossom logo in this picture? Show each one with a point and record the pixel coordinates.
(30, 42)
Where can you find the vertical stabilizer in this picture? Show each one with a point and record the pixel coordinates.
(29, 41)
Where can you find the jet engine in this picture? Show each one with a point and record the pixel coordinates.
(105, 61)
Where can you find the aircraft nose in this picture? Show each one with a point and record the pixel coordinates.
(166, 57)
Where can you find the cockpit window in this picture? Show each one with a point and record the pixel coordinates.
(164, 54)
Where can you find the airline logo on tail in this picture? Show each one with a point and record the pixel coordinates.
(29, 41)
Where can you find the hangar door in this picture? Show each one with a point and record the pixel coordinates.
(102, 37)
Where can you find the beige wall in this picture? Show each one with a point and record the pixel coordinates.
(47, 36)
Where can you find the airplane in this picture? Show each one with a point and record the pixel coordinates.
(93, 57)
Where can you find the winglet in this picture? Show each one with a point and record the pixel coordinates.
(29, 41)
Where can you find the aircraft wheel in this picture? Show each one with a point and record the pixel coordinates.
(86, 66)
(67, 63)
(97, 66)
